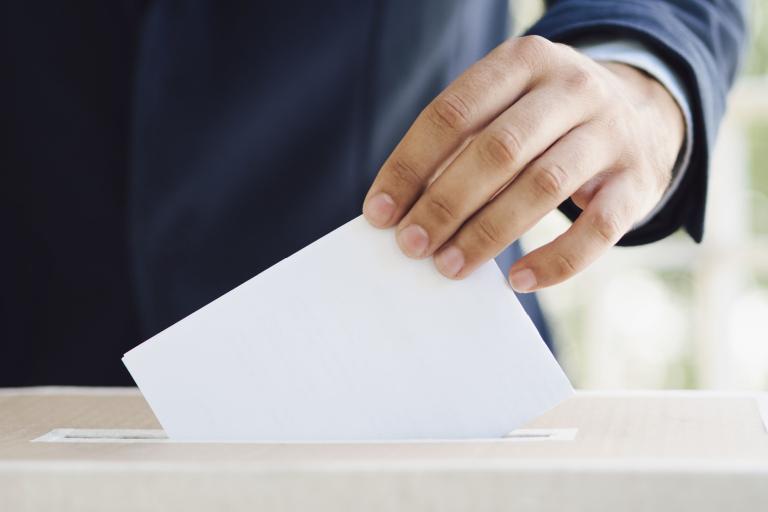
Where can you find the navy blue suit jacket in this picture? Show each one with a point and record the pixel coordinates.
(156, 154)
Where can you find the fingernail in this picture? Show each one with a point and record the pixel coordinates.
(450, 261)
(413, 240)
(379, 209)
(523, 280)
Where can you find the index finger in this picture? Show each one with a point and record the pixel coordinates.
(472, 101)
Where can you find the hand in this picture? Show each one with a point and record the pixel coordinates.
(531, 124)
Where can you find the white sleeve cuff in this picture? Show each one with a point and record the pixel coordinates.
(636, 54)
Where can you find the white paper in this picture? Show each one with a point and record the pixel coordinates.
(348, 339)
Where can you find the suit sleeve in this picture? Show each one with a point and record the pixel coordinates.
(702, 41)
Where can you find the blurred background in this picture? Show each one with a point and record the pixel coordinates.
(676, 314)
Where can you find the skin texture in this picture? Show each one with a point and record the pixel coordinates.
(528, 126)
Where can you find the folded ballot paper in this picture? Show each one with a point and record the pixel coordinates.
(350, 340)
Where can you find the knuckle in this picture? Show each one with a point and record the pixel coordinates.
(500, 148)
(550, 180)
(533, 45)
(441, 208)
(580, 80)
(565, 265)
(531, 53)
(405, 174)
(489, 232)
(450, 111)
(606, 225)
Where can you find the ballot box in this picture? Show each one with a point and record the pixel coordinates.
(75, 449)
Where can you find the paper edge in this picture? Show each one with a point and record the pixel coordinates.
(521, 435)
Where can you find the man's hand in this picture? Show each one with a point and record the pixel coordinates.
(528, 126)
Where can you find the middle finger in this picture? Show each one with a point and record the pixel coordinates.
(490, 162)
